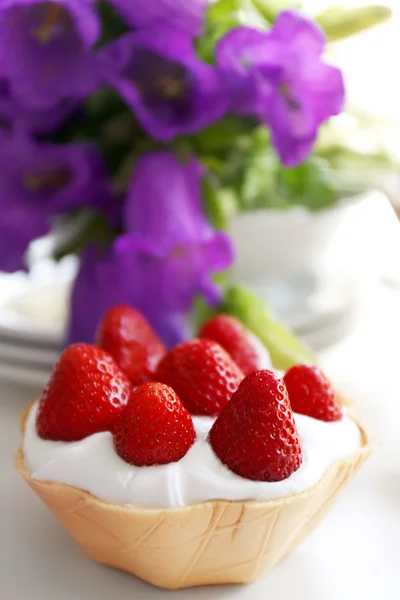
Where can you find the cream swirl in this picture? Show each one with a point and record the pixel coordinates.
(93, 465)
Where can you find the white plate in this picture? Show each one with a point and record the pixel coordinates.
(34, 307)
(34, 355)
(14, 326)
(24, 375)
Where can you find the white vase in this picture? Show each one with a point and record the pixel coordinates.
(277, 244)
(280, 255)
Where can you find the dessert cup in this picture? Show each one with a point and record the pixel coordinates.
(216, 542)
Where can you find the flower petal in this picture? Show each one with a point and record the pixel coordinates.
(186, 14)
(235, 54)
(104, 280)
(172, 327)
(292, 151)
(169, 247)
(45, 50)
(18, 228)
(170, 90)
(326, 85)
(302, 34)
(172, 213)
(279, 77)
(220, 251)
(51, 178)
(100, 284)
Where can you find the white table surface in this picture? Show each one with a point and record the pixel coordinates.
(354, 555)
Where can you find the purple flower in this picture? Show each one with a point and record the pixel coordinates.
(37, 182)
(14, 116)
(279, 76)
(172, 327)
(46, 50)
(103, 282)
(100, 284)
(165, 258)
(169, 244)
(170, 90)
(187, 14)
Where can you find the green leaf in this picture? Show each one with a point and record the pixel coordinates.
(113, 26)
(229, 200)
(284, 347)
(221, 17)
(270, 9)
(266, 183)
(214, 164)
(355, 172)
(75, 231)
(340, 156)
(259, 182)
(222, 135)
(222, 9)
(311, 184)
(212, 204)
(245, 11)
(339, 23)
(201, 313)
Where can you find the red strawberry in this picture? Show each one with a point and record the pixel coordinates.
(311, 393)
(245, 348)
(86, 393)
(155, 429)
(128, 337)
(255, 436)
(202, 374)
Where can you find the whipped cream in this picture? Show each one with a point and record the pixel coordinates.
(93, 465)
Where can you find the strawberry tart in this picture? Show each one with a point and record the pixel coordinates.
(194, 466)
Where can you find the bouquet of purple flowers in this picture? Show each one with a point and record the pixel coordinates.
(125, 124)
